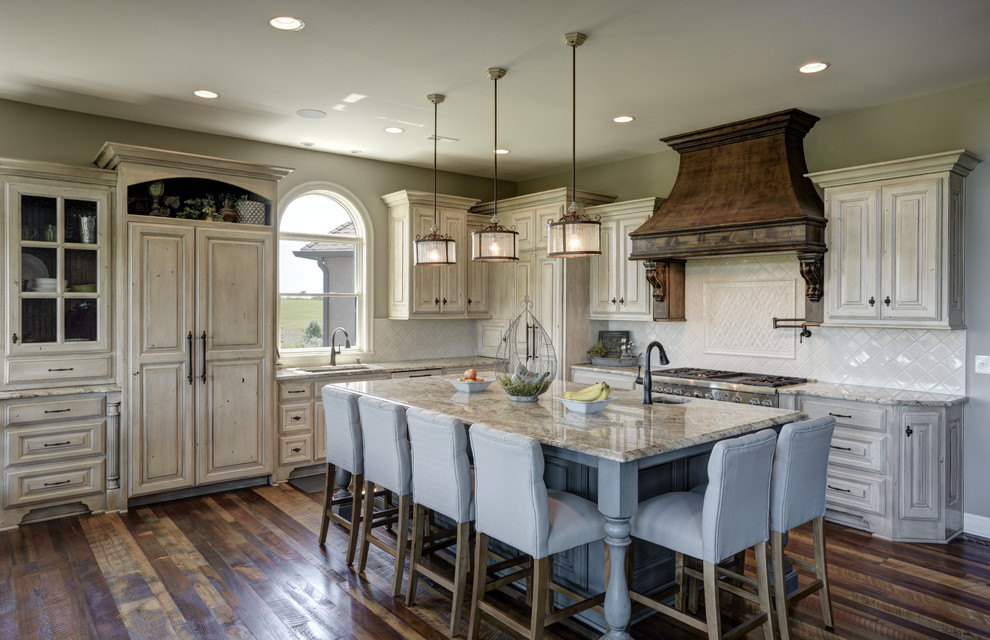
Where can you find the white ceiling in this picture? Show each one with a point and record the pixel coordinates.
(676, 65)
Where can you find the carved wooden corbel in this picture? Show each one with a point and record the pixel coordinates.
(812, 270)
(656, 275)
(667, 279)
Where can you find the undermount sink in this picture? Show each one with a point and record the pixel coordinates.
(666, 398)
(337, 368)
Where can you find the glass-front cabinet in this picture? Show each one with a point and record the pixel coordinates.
(57, 266)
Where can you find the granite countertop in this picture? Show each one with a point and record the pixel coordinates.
(626, 430)
(370, 368)
(49, 392)
(876, 395)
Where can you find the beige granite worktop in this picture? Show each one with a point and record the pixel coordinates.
(49, 392)
(875, 395)
(626, 430)
(371, 368)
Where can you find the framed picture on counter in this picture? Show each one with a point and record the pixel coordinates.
(612, 341)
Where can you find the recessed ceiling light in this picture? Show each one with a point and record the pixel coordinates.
(308, 144)
(356, 151)
(501, 152)
(206, 93)
(394, 130)
(287, 23)
(813, 67)
(623, 119)
(313, 114)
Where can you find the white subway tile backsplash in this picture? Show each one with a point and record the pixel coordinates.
(917, 359)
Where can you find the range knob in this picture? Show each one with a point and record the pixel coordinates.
(754, 401)
(697, 394)
(678, 392)
(737, 399)
(709, 396)
(767, 403)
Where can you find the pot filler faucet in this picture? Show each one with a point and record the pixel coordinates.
(334, 350)
(648, 375)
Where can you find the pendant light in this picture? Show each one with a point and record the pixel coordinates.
(434, 248)
(575, 235)
(495, 243)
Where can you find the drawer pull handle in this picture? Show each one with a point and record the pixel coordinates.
(297, 391)
(63, 369)
(55, 484)
(57, 444)
(296, 418)
(842, 448)
(296, 449)
(839, 415)
(839, 489)
(421, 375)
(57, 410)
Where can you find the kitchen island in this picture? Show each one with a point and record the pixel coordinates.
(618, 448)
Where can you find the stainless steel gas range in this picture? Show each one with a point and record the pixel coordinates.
(728, 386)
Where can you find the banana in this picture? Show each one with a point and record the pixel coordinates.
(597, 391)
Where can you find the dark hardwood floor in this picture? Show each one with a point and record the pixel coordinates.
(246, 564)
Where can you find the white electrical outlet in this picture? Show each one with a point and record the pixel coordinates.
(982, 364)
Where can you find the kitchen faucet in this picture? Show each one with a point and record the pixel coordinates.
(648, 375)
(347, 345)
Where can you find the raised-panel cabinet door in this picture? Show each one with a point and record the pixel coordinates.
(235, 272)
(854, 227)
(232, 420)
(920, 471)
(912, 251)
(479, 303)
(603, 275)
(319, 431)
(162, 358)
(550, 304)
(425, 278)
(453, 278)
(633, 290)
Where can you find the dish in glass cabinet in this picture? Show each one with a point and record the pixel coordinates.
(32, 268)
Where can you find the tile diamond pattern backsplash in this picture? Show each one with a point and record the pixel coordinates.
(918, 359)
(423, 339)
(734, 317)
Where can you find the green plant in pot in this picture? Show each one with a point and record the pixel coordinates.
(598, 351)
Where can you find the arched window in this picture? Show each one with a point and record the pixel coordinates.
(323, 279)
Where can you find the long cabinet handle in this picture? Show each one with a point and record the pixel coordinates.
(57, 410)
(189, 350)
(56, 444)
(841, 448)
(839, 489)
(839, 415)
(203, 338)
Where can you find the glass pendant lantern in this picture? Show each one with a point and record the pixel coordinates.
(434, 248)
(495, 243)
(574, 235)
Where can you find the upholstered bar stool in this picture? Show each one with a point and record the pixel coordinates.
(386, 464)
(513, 505)
(731, 515)
(797, 496)
(441, 481)
(345, 451)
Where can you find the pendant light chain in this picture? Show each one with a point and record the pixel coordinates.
(434, 248)
(436, 107)
(573, 207)
(495, 153)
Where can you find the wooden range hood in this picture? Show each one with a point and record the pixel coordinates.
(740, 189)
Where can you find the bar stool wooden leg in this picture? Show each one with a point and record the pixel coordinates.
(713, 616)
(400, 543)
(327, 502)
(356, 512)
(763, 588)
(369, 513)
(541, 593)
(417, 553)
(679, 579)
(478, 586)
(462, 561)
(821, 569)
(779, 585)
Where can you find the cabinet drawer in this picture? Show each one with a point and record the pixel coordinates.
(49, 410)
(57, 370)
(57, 442)
(850, 414)
(858, 450)
(294, 449)
(294, 418)
(857, 494)
(295, 390)
(52, 482)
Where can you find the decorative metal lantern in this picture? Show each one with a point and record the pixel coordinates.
(526, 363)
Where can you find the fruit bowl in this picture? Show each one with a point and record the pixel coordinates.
(580, 406)
(470, 386)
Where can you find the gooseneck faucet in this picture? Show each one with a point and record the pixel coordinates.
(648, 375)
(334, 349)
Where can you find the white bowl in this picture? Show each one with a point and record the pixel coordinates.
(469, 386)
(580, 406)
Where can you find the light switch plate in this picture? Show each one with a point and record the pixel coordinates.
(982, 364)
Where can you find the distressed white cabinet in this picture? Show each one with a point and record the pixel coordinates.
(438, 292)
(198, 300)
(57, 274)
(896, 241)
(893, 469)
(619, 290)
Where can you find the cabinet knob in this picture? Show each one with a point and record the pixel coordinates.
(436, 301)
(908, 431)
(445, 301)
(886, 301)
(14, 338)
(296, 449)
(613, 300)
(872, 301)
(469, 301)
(622, 300)
(296, 418)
